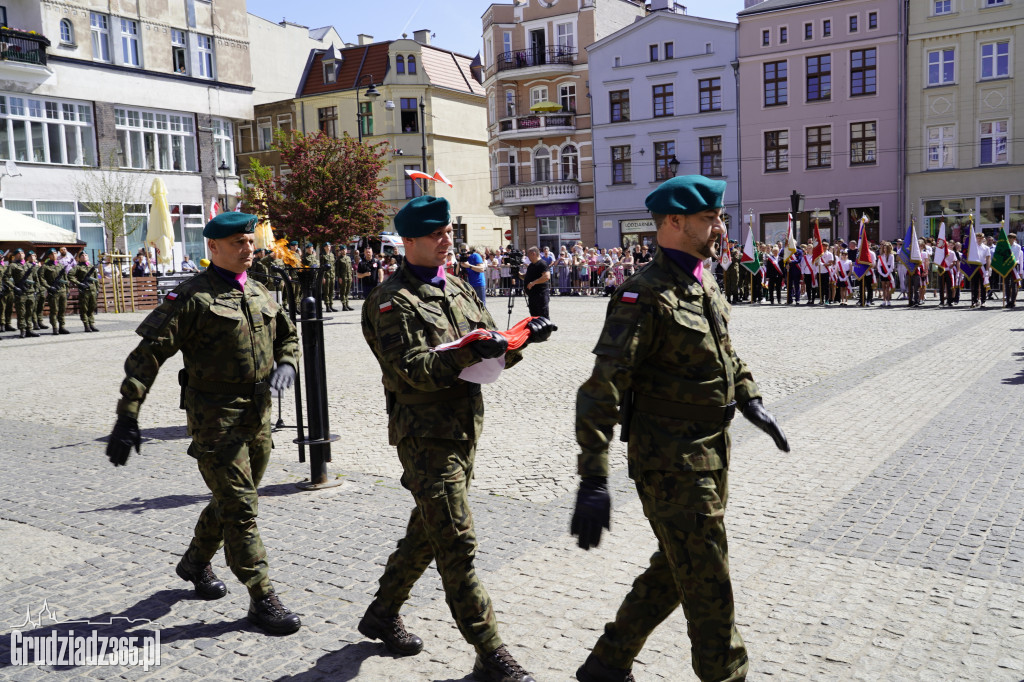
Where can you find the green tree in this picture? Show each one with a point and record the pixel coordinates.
(331, 194)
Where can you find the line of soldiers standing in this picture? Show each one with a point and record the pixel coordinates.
(26, 285)
(339, 272)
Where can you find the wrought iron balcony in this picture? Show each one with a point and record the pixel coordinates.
(538, 192)
(535, 125)
(541, 56)
(19, 46)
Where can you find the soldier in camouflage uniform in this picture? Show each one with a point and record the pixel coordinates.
(6, 298)
(258, 269)
(732, 278)
(39, 296)
(231, 334)
(665, 351)
(55, 283)
(20, 279)
(83, 276)
(435, 420)
(327, 261)
(344, 271)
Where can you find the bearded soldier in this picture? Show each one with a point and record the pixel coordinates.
(666, 356)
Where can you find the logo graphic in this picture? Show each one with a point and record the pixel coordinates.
(64, 646)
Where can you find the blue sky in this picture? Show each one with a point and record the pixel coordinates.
(455, 23)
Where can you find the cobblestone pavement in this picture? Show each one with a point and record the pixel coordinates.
(888, 545)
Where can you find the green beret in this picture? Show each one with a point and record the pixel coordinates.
(309, 245)
(293, 243)
(19, 250)
(327, 243)
(31, 252)
(685, 195)
(422, 216)
(229, 223)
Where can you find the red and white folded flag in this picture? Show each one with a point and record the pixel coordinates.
(487, 371)
(438, 176)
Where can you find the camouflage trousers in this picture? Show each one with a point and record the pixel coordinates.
(25, 309)
(327, 290)
(40, 304)
(438, 473)
(344, 289)
(6, 307)
(87, 305)
(58, 306)
(690, 569)
(233, 472)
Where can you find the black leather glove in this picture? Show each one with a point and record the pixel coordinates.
(754, 411)
(593, 511)
(493, 347)
(283, 377)
(52, 290)
(540, 329)
(122, 438)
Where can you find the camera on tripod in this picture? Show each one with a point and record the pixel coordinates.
(515, 257)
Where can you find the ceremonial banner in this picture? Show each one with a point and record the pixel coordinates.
(724, 253)
(750, 258)
(971, 262)
(865, 257)
(1003, 261)
(790, 249)
(819, 249)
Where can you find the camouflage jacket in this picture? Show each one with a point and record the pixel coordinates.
(310, 260)
(402, 319)
(50, 276)
(79, 273)
(268, 263)
(344, 267)
(327, 261)
(225, 337)
(666, 339)
(15, 273)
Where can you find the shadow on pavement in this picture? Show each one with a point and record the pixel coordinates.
(344, 664)
(137, 505)
(1019, 377)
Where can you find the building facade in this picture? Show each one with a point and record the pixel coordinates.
(820, 114)
(539, 114)
(664, 103)
(426, 105)
(149, 90)
(964, 156)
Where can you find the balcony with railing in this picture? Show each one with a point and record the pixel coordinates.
(551, 58)
(23, 47)
(536, 125)
(537, 192)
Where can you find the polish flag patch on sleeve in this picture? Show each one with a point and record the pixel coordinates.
(630, 297)
(385, 306)
(171, 296)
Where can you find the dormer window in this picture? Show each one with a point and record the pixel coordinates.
(412, 65)
(399, 64)
(330, 71)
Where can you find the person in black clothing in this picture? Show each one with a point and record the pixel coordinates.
(536, 281)
(368, 272)
(774, 272)
(793, 278)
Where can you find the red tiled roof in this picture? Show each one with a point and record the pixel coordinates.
(364, 60)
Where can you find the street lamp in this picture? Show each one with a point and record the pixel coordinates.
(372, 93)
(673, 165)
(224, 170)
(833, 209)
(796, 203)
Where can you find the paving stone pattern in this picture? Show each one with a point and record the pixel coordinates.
(888, 545)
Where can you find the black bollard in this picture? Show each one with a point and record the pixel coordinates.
(319, 437)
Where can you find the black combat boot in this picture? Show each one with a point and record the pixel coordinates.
(206, 583)
(55, 332)
(63, 330)
(390, 630)
(28, 332)
(92, 327)
(273, 616)
(499, 666)
(593, 670)
(9, 328)
(43, 325)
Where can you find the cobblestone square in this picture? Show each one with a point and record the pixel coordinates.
(888, 545)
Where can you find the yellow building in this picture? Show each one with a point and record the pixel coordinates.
(424, 102)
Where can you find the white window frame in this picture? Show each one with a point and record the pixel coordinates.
(992, 3)
(506, 42)
(264, 135)
(994, 59)
(940, 146)
(488, 52)
(564, 159)
(510, 103)
(995, 138)
(946, 7)
(567, 91)
(67, 32)
(99, 25)
(941, 62)
(205, 57)
(331, 72)
(179, 41)
(131, 54)
(223, 144)
(540, 164)
(170, 134)
(538, 94)
(565, 35)
(68, 123)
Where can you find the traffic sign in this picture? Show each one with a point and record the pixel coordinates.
(508, 235)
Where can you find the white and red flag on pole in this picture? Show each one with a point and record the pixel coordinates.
(438, 176)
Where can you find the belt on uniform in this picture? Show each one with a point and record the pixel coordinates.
(227, 388)
(719, 414)
(444, 395)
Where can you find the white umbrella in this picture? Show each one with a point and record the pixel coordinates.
(161, 233)
(16, 227)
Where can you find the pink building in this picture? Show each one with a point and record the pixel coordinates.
(820, 114)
